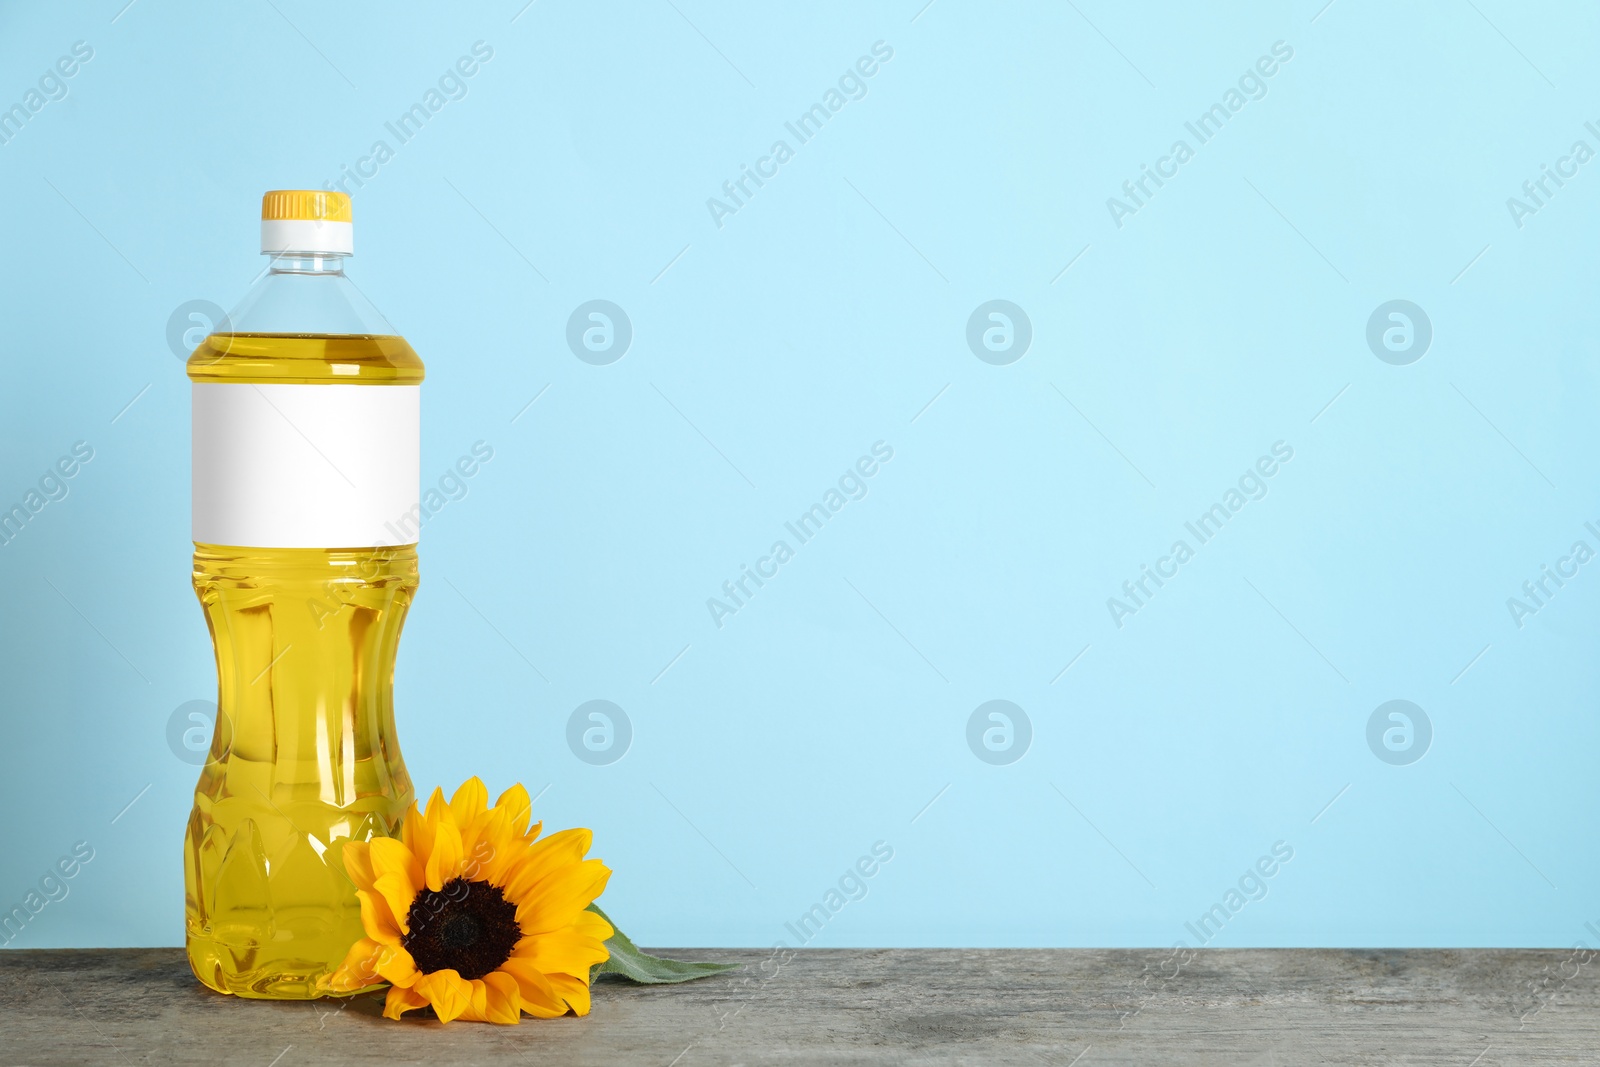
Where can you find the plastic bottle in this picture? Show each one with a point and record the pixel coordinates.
(306, 490)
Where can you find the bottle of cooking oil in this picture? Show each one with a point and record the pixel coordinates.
(306, 517)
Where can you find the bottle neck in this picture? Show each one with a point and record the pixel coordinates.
(306, 291)
(307, 263)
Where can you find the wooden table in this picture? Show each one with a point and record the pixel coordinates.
(1467, 1008)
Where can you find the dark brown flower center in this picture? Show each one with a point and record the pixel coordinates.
(467, 927)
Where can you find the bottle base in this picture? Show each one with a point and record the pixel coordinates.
(282, 980)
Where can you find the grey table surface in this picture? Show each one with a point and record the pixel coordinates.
(1064, 1007)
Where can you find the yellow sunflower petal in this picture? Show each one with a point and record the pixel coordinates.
(496, 868)
(436, 804)
(401, 1000)
(504, 1004)
(556, 901)
(566, 951)
(358, 863)
(486, 848)
(398, 893)
(483, 865)
(572, 949)
(477, 1009)
(359, 969)
(539, 997)
(418, 832)
(489, 837)
(575, 991)
(445, 861)
(470, 801)
(377, 918)
(562, 849)
(396, 966)
(593, 925)
(517, 807)
(587, 925)
(447, 992)
(389, 856)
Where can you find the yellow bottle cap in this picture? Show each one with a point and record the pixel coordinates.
(305, 204)
(306, 221)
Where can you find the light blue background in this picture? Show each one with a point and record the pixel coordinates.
(822, 317)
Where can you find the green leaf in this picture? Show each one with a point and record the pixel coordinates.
(635, 966)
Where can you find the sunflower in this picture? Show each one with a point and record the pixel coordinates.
(466, 911)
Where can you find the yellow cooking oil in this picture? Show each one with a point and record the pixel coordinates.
(304, 756)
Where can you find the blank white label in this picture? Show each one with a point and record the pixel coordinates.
(306, 466)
